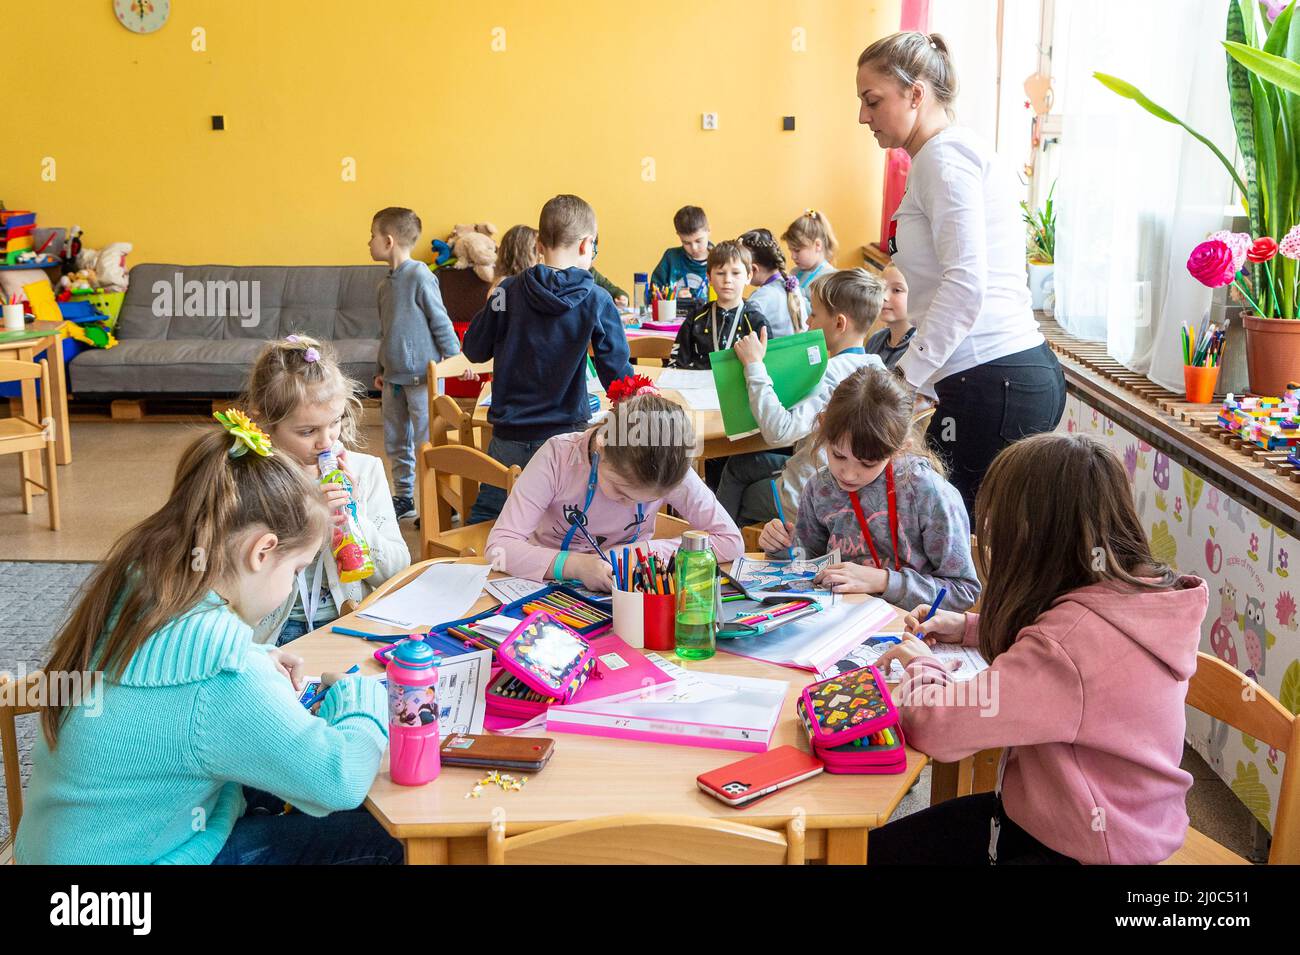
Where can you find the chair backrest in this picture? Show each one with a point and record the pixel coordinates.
(1224, 693)
(649, 347)
(14, 370)
(446, 416)
(455, 365)
(449, 477)
(667, 526)
(649, 839)
(11, 693)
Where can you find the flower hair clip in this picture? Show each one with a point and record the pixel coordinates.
(248, 436)
(294, 339)
(630, 387)
(791, 283)
(311, 355)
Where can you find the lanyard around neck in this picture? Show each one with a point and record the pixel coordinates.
(893, 517)
(311, 599)
(735, 329)
(581, 518)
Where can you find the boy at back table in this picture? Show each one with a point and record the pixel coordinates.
(415, 329)
(684, 269)
(536, 327)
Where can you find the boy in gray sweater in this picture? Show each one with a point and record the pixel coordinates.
(414, 330)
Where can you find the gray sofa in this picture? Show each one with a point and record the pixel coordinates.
(205, 344)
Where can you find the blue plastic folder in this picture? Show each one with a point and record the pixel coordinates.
(795, 363)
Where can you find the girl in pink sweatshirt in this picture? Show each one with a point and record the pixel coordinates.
(605, 486)
(1091, 641)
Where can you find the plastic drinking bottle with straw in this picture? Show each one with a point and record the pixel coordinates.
(413, 714)
(349, 547)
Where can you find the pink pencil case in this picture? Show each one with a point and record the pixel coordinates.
(863, 756)
(848, 706)
(547, 656)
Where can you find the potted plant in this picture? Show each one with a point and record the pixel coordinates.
(1041, 228)
(1264, 91)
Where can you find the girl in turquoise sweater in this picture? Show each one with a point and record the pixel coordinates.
(174, 755)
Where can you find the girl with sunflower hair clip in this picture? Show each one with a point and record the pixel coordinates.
(187, 718)
(590, 492)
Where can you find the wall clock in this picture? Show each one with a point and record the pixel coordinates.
(141, 16)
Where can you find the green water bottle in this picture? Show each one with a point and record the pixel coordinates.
(697, 597)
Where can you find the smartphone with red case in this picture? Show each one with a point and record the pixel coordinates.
(745, 782)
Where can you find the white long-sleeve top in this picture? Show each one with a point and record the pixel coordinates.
(781, 425)
(382, 533)
(961, 246)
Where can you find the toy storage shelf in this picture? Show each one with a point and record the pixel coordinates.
(1168, 421)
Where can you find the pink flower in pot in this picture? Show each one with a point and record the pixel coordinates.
(1212, 264)
(1238, 242)
(1290, 244)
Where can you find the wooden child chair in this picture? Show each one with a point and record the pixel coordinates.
(21, 436)
(1216, 689)
(449, 479)
(649, 839)
(9, 711)
(641, 349)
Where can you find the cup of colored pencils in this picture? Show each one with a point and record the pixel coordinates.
(665, 306)
(13, 314)
(645, 599)
(1202, 356)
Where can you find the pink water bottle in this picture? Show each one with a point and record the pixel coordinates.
(413, 714)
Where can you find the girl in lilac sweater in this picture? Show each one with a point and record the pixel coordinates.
(606, 485)
(1091, 642)
(883, 502)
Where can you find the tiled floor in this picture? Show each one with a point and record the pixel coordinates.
(121, 472)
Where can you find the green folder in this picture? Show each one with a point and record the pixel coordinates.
(795, 364)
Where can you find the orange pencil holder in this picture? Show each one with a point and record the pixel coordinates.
(1199, 382)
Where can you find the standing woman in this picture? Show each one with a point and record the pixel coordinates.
(959, 240)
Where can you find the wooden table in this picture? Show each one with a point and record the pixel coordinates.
(708, 424)
(591, 776)
(43, 337)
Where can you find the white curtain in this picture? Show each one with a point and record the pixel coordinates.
(1135, 194)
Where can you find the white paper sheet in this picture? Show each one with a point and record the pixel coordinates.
(443, 592)
(780, 577)
(815, 642)
(683, 379)
(462, 692)
(964, 662)
(701, 399)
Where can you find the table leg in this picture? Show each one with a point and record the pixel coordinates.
(32, 412)
(59, 402)
(943, 781)
(846, 846)
(427, 852)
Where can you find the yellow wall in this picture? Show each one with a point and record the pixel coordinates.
(437, 120)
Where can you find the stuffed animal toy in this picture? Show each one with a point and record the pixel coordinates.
(84, 281)
(477, 251)
(111, 266)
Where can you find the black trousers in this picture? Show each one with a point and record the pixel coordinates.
(956, 832)
(985, 408)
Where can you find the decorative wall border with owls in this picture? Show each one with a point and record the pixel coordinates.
(1198, 527)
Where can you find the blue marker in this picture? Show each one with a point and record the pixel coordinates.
(780, 512)
(374, 637)
(320, 694)
(943, 592)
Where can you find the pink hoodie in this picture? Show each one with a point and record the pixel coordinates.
(533, 523)
(1090, 701)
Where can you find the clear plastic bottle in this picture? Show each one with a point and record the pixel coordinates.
(697, 596)
(349, 547)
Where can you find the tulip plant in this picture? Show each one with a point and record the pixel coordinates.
(1263, 44)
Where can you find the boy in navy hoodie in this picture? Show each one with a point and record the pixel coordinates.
(536, 327)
